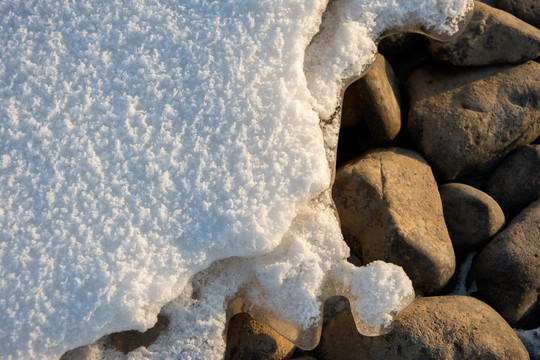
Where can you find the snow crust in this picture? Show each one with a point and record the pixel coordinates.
(154, 149)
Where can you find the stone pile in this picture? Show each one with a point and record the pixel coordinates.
(438, 160)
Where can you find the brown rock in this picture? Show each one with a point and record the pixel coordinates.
(378, 102)
(487, 40)
(390, 210)
(472, 216)
(516, 182)
(467, 121)
(507, 271)
(526, 10)
(446, 327)
(249, 339)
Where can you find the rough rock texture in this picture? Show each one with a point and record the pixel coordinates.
(526, 10)
(390, 210)
(378, 101)
(507, 271)
(487, 40)
(516, 182)
(472, 216)
(446, 327)
(467, 120)
(249, 339)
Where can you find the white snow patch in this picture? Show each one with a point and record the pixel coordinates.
(143, 141)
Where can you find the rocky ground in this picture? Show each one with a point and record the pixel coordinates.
(438, 172)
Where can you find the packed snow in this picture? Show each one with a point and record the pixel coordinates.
(153, 150)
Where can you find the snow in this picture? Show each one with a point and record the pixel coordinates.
(148, 148)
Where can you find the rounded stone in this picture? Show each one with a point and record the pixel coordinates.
(487, 39)
(515, 183)
(445, 328)
(472, 216)
(390, 209)
(507, 270)
(466, 121)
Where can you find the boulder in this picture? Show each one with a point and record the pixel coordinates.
(375, 99)
(526, 10)
(249, 339)
(516, 182)
(466, 121)
(390, 210)
(507, 270)
(472, 216)
(487, 39)
(445, 327)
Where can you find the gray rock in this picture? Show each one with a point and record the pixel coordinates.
(390, 209)
(446, 327)
(491, 37)
(472, 216)
(375, 99)
(507, 270)
(249, 339)
(526, 10)
(466, 121)
(516, 182)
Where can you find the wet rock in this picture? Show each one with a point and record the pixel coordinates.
(516, 182)
(487, 40)
(466, 121)
(507, 270)
(249, 339)
(446, 327)
(375, 99)
(526, 10)
(390, 210)
(472, 216)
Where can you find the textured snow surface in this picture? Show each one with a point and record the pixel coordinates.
(142, 141)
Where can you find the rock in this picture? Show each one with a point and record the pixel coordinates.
(516, 182)
(466, 121)
(472, 216)
(507, 270)
(487, 40)
(378, 102)
(390, 210)
(445, 327)
(526, 10)
(249, 339)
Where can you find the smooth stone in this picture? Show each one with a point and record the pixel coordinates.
(472, 216)
(250, 339)
(445, 328)
(466, 121)
(526, 10)
(507, 270)
(491, 37)
(515, 183)
(375, 99)
(390, 209)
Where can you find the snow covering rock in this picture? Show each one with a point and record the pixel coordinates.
(158, 150)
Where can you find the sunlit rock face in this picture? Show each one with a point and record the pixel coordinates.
(169, 152)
